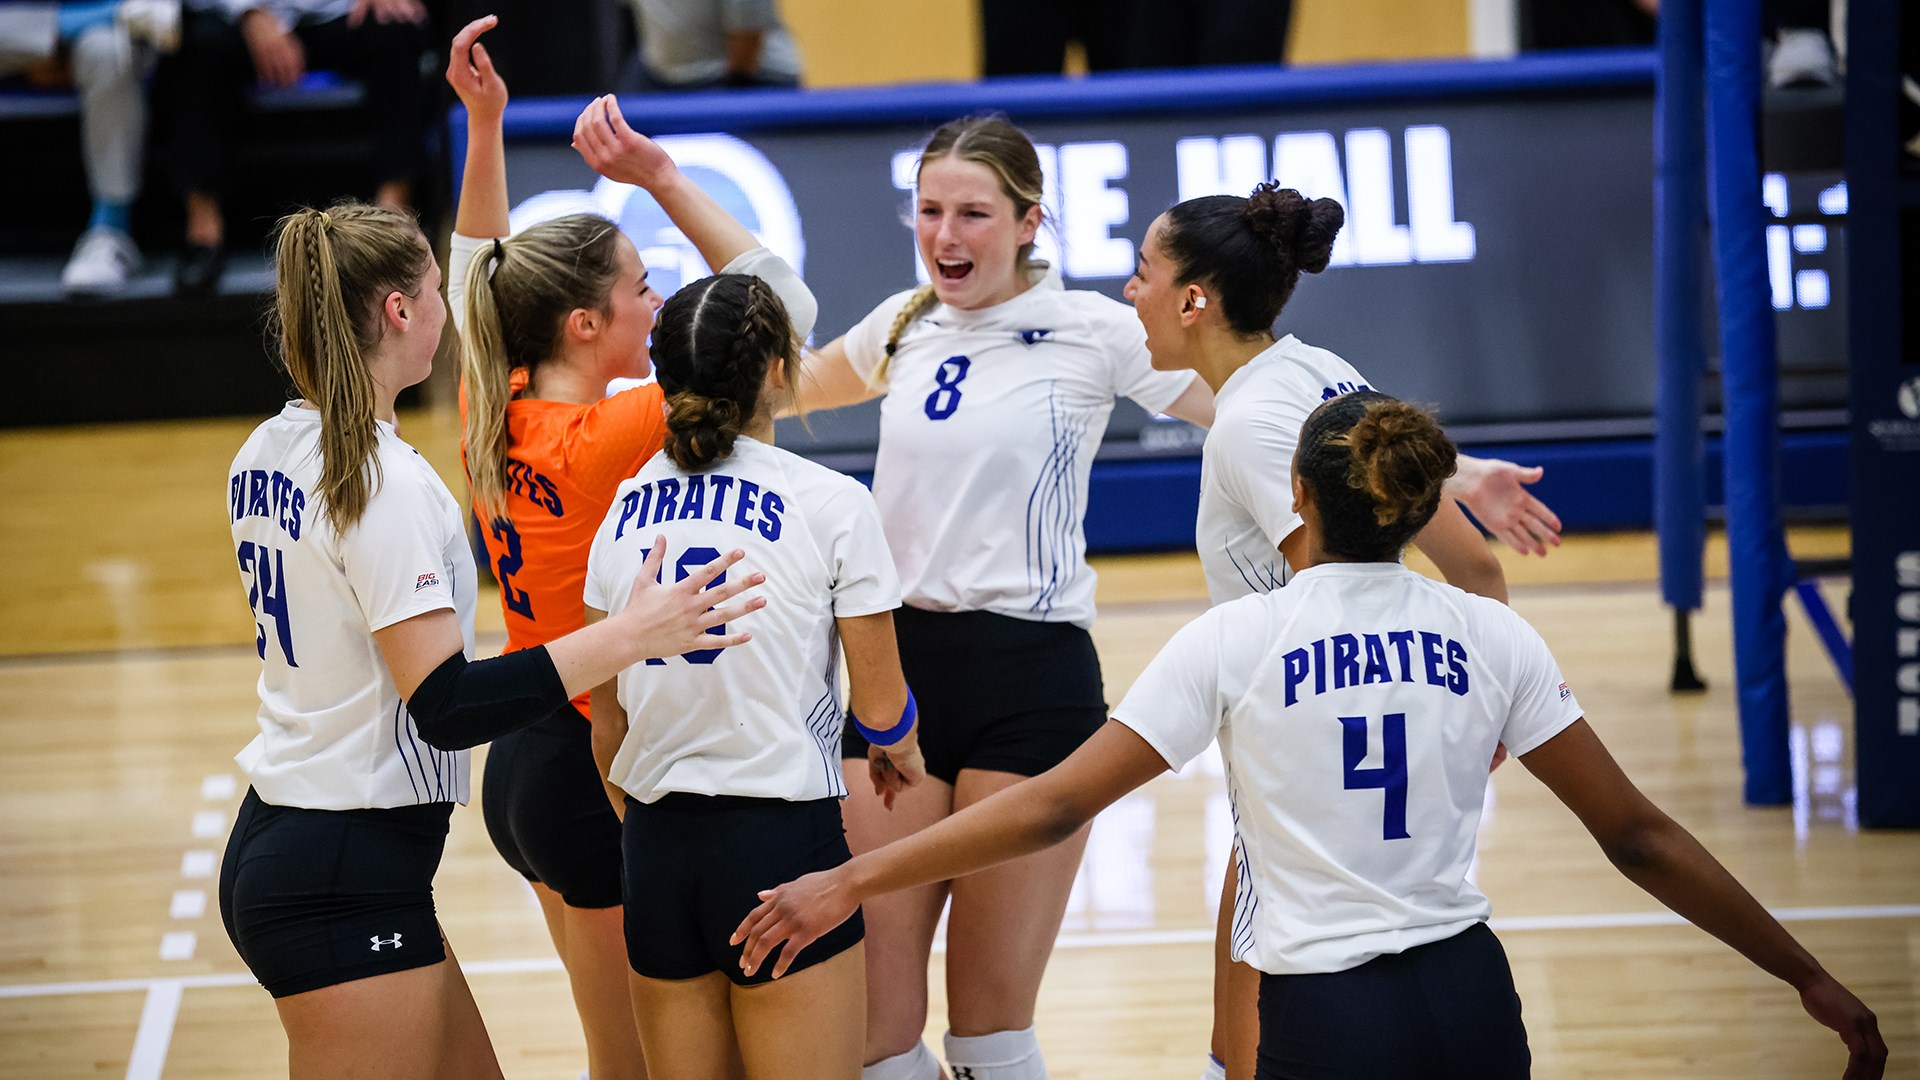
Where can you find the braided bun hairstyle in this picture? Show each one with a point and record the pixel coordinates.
(1374, 466)
(332, 268)
(1249, 253)
(712, 345)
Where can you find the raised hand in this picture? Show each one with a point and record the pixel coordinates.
(796, 913)
(470, 71)
(1833, 1005)
(618, 152)
(1496, 492)
(668, 620)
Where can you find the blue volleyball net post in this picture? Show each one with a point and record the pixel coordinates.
(1761, 569)
(1679, 448)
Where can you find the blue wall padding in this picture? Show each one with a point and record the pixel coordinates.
(1679, 216)
(1761, 569)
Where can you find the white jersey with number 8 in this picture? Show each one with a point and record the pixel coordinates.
(1357, 709)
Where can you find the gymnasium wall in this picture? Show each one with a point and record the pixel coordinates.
(869, 42)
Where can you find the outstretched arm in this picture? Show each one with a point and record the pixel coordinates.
(1657, 854)
(1018, 821)
(829, 381)
(483, 185)
(1496, 492)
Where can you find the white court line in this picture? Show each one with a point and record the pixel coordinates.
(195, 864)
(208, 824)
(1195, 936)
(156, 1030)
(178, 945)
(217, 787)
(188, 903)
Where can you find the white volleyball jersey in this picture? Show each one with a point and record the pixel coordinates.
(1246, 466)
(987, 437)
(763, 719)
(334, 733)
(1357, 710)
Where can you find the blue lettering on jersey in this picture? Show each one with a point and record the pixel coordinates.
(1335, 663)
(704, 497)
(1340, 389)
(523, 481)
(272, 495)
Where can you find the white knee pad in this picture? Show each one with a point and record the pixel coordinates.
(1003, 1055)
(916, 1064)
(1215, 1070)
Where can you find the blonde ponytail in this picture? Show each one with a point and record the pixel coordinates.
(331, 267)
(486, 372)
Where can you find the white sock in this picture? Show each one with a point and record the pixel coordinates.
(916, 1064)
(1003, 1055)
(1215, 1070)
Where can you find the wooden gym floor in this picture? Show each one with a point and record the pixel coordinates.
(126, 673)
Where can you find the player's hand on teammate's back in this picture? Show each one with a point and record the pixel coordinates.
(1835, 1006)
(470, 70)
(1496, 492)
(615, 150)
(895, 768)
(673, 619)
(797, 913)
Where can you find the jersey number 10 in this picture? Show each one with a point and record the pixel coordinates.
(690, 560)
(1390, 775)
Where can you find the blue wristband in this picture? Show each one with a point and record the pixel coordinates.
(895, 733)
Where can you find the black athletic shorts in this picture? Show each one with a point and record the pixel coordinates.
(995, 692)
(1446, 1010)
(695, 868)
(312, 898)
(548, 813)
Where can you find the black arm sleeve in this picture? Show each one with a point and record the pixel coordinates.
(462, 704)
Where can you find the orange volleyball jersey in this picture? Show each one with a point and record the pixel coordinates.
(564, 463)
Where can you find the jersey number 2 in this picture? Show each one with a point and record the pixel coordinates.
(268, 596)
(690, 560)
(1390, 775)
(509, 564)
(946, 395)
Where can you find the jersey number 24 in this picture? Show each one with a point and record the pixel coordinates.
(267, 594)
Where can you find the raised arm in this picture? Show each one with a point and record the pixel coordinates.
(618, 152)
(483, 186)
(1016, 821)
(1657, 854)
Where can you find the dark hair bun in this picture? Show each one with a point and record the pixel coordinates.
(1302, 230)
(701, 430)
(1400, 458)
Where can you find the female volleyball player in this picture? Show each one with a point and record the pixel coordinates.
(727, 764)
(355, 561)
(549, 317)
(1213, 277)
(1375, 955)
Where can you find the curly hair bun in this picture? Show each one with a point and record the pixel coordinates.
(1400, 458)
(1302, 230)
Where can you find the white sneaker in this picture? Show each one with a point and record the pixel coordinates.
(101, 262)
(156, 22)
(1802, 57)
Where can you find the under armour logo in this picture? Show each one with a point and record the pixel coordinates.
(965, 1072)
(379, 941)
(1028, 336)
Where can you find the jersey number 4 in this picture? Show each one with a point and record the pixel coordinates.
(1390, 775)
(690, 560)
(945, 398)
(268, 596)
